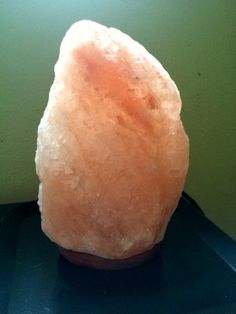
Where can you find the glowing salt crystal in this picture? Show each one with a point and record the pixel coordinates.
(112, 124)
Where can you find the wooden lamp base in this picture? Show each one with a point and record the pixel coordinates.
(96, 262)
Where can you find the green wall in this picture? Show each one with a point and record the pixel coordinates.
(194, 40)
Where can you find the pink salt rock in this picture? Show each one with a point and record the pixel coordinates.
(112, 153)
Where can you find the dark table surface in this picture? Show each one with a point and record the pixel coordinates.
(193, 273)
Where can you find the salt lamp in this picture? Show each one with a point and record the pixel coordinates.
(112, 153)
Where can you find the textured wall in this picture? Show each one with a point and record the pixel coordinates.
(194, 40)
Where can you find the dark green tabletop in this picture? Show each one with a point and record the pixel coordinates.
(193, 273)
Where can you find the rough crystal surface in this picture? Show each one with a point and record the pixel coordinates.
(112, 154)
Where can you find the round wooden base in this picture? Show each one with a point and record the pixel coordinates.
(96, 262)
